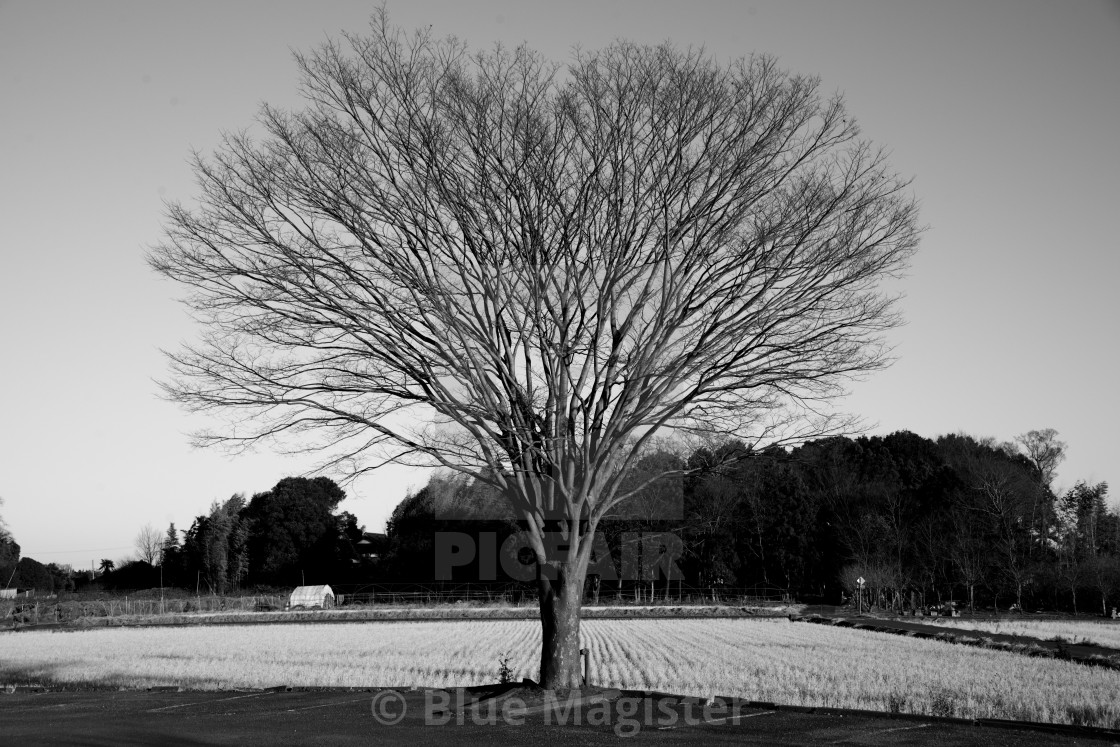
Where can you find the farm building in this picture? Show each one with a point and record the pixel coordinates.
(371, 545)
(312, 596)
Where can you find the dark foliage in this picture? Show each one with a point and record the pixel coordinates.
(294, 535)
(922, 521)
(136, 574)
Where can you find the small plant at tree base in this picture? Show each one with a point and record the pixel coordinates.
(942, 702)
(505, 673)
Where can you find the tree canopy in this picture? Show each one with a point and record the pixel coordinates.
(293, 526)
(529, 272)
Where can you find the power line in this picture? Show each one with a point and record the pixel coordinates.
(27, 553)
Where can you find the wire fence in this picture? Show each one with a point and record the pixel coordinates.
(40, 610)
(517, 594)
(70, 607)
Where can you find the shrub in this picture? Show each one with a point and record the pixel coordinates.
(942, 702)
(505, 673)
(1089, 715)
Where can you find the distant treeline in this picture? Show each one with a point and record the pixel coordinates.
(281, 537)
(921, 521)
(286, 536)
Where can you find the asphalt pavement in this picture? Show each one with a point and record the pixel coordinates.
(426, 717)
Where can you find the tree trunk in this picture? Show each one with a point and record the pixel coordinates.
(560, 600)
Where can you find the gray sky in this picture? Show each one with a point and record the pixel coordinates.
(1005, 113)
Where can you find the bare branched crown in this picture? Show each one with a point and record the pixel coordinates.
(529, 272)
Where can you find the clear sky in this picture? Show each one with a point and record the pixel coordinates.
(1006, 114)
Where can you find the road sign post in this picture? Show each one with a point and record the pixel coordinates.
(859, 596)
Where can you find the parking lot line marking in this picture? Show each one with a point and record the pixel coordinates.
(863, 735)
(48, 707)
(204, 702)
(734, 719)
(737, 717)
(324, 705)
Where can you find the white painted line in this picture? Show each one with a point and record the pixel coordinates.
(48, 707)
(863, 735)
(326, 705)
(546, 706)
(738, 717)
(204, 702)
(734, 719)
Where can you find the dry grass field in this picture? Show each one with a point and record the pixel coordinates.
(770, 660)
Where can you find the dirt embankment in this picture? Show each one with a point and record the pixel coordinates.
(1054, 648)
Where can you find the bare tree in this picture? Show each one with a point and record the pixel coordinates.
(1045, 452)
(149, 544)
(1103, 573)
(5, 534)
(527, 273)
(1000, 498)
(967, 553)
